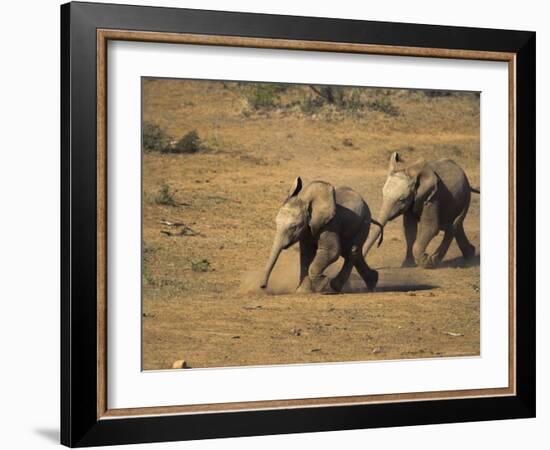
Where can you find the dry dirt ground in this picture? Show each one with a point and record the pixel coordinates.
(201, 300)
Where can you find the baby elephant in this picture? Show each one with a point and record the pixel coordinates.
(432, 196)
(328, 223)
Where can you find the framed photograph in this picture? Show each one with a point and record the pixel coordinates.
(276, 224)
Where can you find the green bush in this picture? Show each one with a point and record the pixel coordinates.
(200, 266)
(155, 139)
(384, 105)
(190, 143)
(345, 99)
(311, 105)
(456, 151)
(433, 93)
(333, 95)
(165, 196)
(263, 96)
(353, 101)
(147, 252)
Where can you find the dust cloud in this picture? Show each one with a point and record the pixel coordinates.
(284, 278)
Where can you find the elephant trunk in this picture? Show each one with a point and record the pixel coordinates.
(383, 218)
(275, 252)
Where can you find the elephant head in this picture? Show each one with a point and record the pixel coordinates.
(305, 211)
(407, 187)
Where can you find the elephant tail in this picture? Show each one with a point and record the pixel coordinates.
(474, 190)
(381, 231)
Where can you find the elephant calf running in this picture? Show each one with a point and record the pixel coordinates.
(432, 196)
(328, 223)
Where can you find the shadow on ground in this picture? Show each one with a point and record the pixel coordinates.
(405, 287)
(400, 280)
(460, 262)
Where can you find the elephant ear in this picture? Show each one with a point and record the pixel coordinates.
(295, 188)
(396, 161)
(320, 199)
(426, 181)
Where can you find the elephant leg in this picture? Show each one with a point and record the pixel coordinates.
(467, 249)
(328, 251)
(337, 283)
(427, 230)
(410, 226)
(370, 276)
(307, 253)
(437, 256)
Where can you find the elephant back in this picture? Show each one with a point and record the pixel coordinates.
(452, 176)
(352, 202)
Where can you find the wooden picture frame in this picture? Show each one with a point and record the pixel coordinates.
(86, 418)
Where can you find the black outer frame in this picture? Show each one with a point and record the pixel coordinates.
(79, 424)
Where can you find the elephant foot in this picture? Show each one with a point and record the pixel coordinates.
(428, 262)
(408, 262)
(469, 253)
(305, 287)
(336, 284)
(372, 281)
(322, 284)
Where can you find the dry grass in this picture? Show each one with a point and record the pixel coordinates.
(230, 195)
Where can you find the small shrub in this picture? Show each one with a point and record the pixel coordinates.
(147, 276)
(334, 95)
(353, 102)
(384, 105)
(155, 139)
(190, 143)
(165, 196)
(263, 96)
(348, 142)
(432, 94)
(147, 252)
(311, 105)
(456, 151)
(342, 99)
(200, 266)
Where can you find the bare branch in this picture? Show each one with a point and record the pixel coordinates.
(320, 94)
(184, 230)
